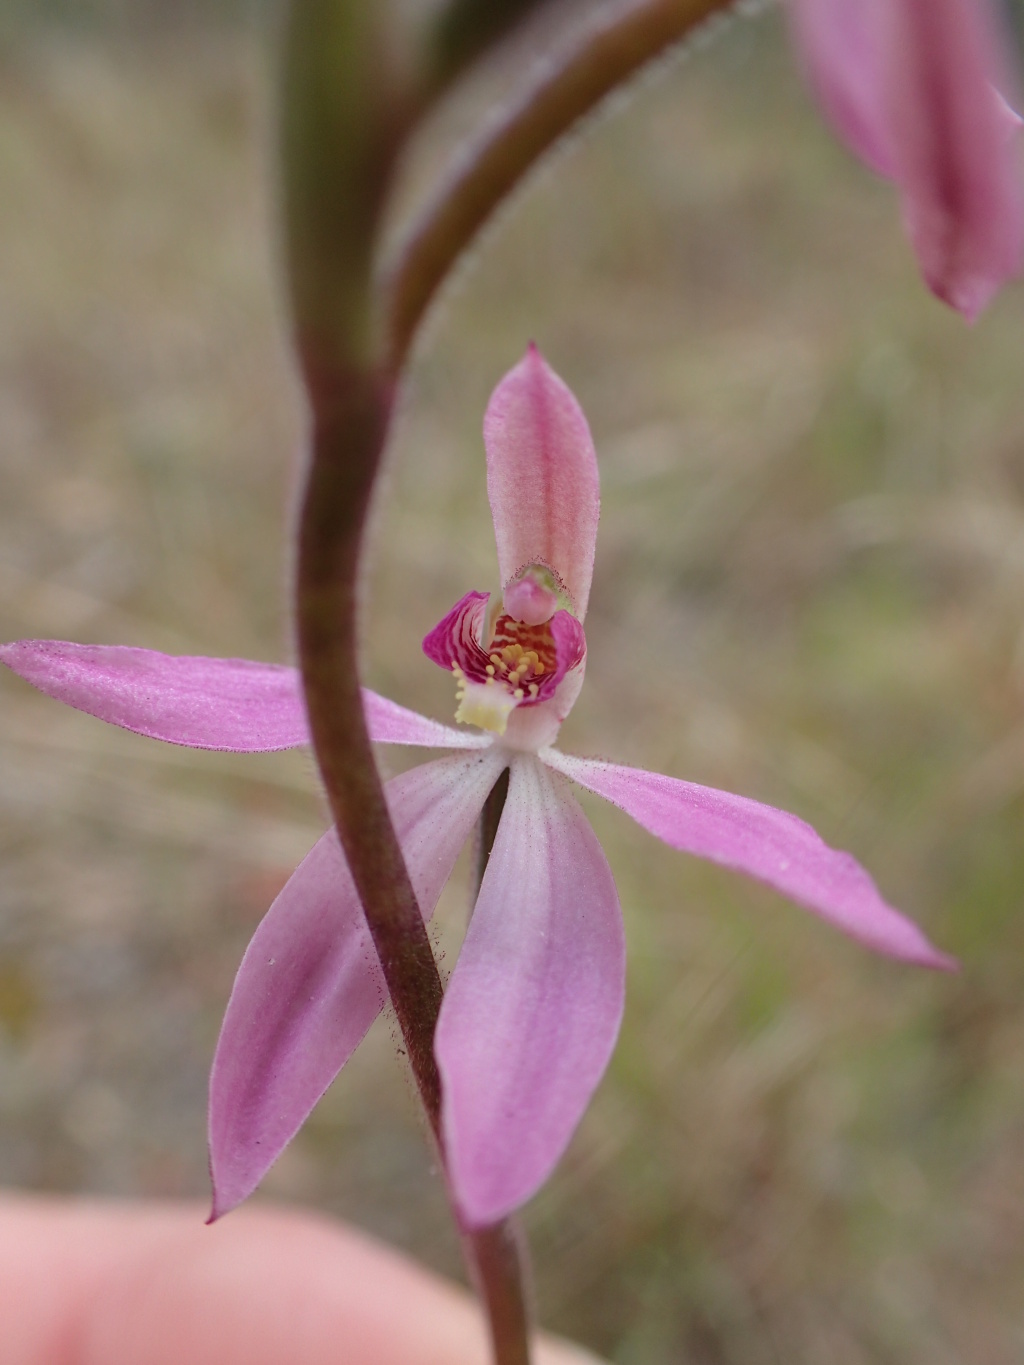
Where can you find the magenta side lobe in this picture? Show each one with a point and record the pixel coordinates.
(456, 640)
(763, 842)
(534, 1004)
(456, 637)
(310, 985)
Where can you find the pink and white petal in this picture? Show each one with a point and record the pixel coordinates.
(389, 723)
(842, 48)
(542, 478)
(310, 985)
(230, 704)
(533, 1008)
(769, 844)
(956, 162)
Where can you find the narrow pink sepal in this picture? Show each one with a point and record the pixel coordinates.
(763, 842)
(310, 984)
(913, 88)
(204, 703)
(542, 478)
(533, 1008)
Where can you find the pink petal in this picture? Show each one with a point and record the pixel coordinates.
(534, 1005)
(202, 703)
(957, 169)
(765, 843)
(913, 86)
(542, 478)
(841, 47)
(310, 985)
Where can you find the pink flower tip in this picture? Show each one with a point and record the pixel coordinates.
(222, 1204)
(914, 89)
(940, 962)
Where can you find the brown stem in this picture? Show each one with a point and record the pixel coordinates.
(594, 60)
(337, 160)
(499, 1260)
(466, 28)
(489, 818)
(350, 425)
(344, 116)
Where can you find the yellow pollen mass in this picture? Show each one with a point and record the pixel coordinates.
(484, 704)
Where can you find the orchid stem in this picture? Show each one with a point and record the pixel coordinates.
(337, 156)
(489, 818)
(498, 1257)
(347, 443)
(349, 432)
(347, 107)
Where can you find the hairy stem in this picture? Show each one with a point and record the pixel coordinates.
(498, 1258)
(350, 428)
(346, 109)
(342, 123)
(597, 57)
(337, 161)
(348, 438)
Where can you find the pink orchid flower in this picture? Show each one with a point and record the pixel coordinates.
(915, 88)
(533, 1007)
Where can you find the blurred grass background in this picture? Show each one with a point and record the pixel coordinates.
(809, 589)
